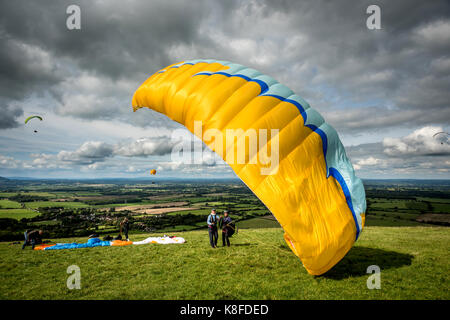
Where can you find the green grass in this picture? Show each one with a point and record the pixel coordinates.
(414, 264)
(7, 204)
(7, 194)
(389, 220)
(260, 212)
(42, 204)
(38, 194)
(389, 205)
(199, 199)
(417, 206)
(199, 212)
(115, 205)
(86, 193)
(45, 223)
(180, 227)
(18, 213)
(433, 199)
(441, 207)
(210, 204)
(263, 222)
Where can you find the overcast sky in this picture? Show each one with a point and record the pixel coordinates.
(386, 92)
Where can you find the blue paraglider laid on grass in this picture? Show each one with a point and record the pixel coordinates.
(94, 242)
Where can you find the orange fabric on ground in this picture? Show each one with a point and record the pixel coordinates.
(43, 246)
(120, 243)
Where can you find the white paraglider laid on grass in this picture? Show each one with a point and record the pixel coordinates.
(161, 240)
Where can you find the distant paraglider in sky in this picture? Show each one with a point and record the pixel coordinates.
(442, 136)
(33, 117)
(153, 172)
(312, 190)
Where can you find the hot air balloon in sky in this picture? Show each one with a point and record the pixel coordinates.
(311, 188)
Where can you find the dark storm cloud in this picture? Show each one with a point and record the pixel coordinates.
(23, 68)
(396, 66)
(118, 41)
(399, 75)
(378, 118)
(9, 115)
(117, 38)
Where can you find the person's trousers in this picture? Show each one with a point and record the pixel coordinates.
(32, 242)
(213, 235)
(225, 238)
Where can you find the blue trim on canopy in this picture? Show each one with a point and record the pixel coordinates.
(324, 138)
(262, 84)
(348, 198)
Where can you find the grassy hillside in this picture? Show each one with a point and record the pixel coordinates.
(414, 264)
(18, 213)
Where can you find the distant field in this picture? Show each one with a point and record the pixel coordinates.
(46, 223)
(85, 193)
(393, 212)
(201, 212)
(41, 204)
(116, 205)
(262, 222)
(414, 264)
(18, 213)
(169, 205)
(7, 194)
(181, 227)
(390, 221)
(441, 207)
(170, 197)
(161, 210)
(258, 212)
(432, 217)
(7, 204)
(445, 200)
(389, 205)
(210, 204)
(198, 199)
(39, 194)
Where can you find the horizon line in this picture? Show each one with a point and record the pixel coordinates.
(198, 178)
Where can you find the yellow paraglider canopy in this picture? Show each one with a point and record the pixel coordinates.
(309, 185)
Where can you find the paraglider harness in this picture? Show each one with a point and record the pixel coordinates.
(214, 221)
(230, 228)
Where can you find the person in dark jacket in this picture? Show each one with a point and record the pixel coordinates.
(212, 228)
(32, 238)
(226, 228)
(125, 226)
